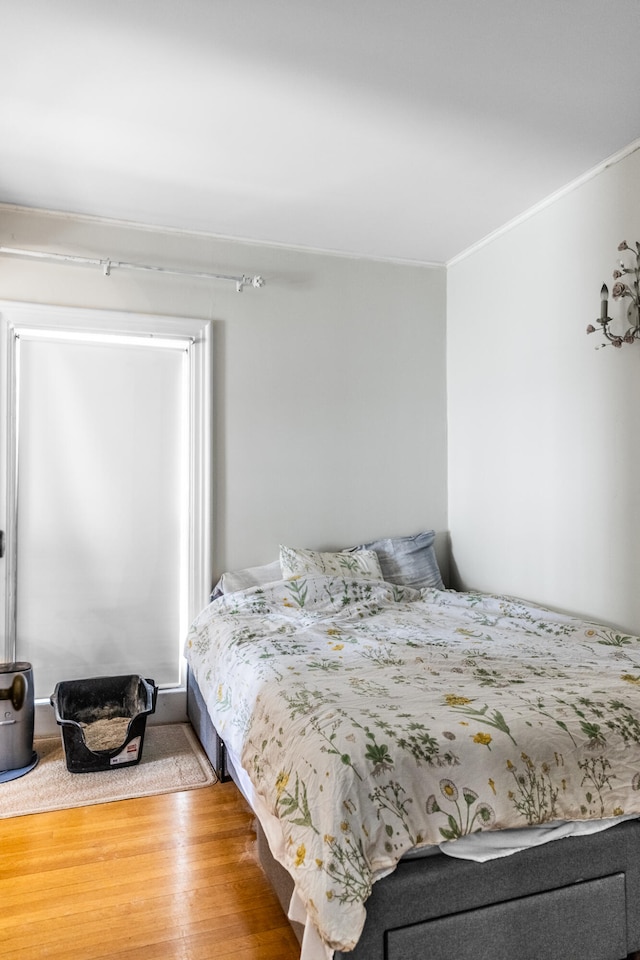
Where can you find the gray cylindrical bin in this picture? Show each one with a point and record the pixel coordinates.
(16, 715)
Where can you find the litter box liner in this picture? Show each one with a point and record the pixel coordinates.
(79, 704)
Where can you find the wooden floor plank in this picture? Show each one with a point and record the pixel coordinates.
(172, 877)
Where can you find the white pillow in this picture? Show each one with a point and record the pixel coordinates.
(360, 565)
(248, 577)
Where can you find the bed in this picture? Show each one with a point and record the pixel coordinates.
(434, 774)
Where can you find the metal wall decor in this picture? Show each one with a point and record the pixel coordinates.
(625, 287)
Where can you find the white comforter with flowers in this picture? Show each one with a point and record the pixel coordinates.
(373, 719)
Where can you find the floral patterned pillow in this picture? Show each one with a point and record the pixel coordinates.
(363, 565)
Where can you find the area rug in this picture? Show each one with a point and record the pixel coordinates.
(172, 760)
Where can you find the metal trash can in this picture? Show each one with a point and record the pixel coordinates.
(16, 715)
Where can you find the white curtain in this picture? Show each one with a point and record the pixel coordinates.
(102, 507)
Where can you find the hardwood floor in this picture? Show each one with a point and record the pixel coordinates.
(172, 877)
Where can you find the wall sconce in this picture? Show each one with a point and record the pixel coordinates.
(622, 290)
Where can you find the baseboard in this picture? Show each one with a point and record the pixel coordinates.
(171, 707)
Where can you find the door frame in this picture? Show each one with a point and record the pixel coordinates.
(17, 316)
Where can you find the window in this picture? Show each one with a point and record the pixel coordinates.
(107, 489)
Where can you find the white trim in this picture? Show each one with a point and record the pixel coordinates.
(171, 707)
(321, 251)
(547, 202)
(195, 337)
(220, 237)
(10, 429)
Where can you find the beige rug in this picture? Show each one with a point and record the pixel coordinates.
(172, 759)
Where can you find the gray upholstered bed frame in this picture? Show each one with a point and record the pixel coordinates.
(573, 899)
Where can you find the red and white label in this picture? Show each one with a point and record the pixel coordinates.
(128, 753)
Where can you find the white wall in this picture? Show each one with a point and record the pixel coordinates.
(330, 420)
(544, 433)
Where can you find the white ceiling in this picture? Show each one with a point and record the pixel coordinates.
(406, 129)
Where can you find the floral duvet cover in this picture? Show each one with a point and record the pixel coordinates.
(373, 719)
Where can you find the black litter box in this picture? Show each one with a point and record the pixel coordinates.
(103, 705)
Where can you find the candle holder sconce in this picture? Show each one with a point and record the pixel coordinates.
(623, 289)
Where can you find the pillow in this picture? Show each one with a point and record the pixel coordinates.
(249, 577)
(363, 565)
(408, 561)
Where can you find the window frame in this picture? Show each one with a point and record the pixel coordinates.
(19, 317)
